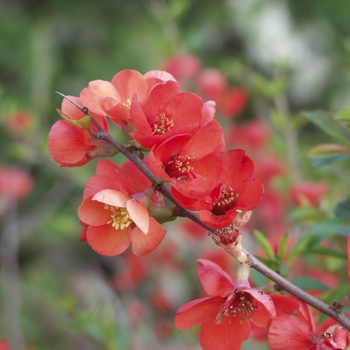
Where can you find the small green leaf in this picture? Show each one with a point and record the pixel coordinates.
(326, 122)
(343, 115)
(309, 283)
(264, 244)
(82, 123)
(321, 250)
(282, 246)
(327, 150)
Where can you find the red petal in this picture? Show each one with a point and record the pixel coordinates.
(289, 331)
(284, 304)
(93, 213)
(197, 312)
(111, 197)
(96, 91)
(143, 244)
(127, 82)
(227, 335)
(250, 194)
(214, 279)
(68, 144)
(106, 240)
(139, 214)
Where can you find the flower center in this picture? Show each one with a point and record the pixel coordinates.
(127, 103)
(162, 124)
(225, 202)
(241, 305)
(120, 217)
(178, 166)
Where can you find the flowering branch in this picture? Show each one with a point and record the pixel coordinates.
(282, 283)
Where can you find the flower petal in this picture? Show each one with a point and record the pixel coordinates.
(214, 279)
(227, 335)
(197, 311)
(111, 197)
(139, 214)
(106, 240)
(143, 244)
(92, 212)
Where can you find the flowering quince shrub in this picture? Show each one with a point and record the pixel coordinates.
(179, 165)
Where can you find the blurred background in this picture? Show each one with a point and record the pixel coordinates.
(278, 58)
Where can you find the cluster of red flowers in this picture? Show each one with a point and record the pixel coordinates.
(178, 140)
(186, 149)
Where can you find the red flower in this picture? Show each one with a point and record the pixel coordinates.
(72, 146)
(226, 315)
(113, 98)
(166, 113)
(235, 190)
(295, 330)
(308, 193)
(112, 216)
(15, 184)
(188, 162)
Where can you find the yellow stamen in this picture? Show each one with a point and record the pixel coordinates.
(120, 217)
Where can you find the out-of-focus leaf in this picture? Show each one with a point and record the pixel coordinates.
(282, 246)
(305, 213)
(343, 115)
(264, 244)
(326, 122)
(327, 150)
(342, 209)
(178, 7)
(258, 278)
(319, 161)
(309, 283)
(321, 250)
(315, 234)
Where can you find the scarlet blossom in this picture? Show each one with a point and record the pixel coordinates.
(20, 122)
(167, 112)
(308, 193)
(113, 99)
(212, 84)
(298, 331)
(235, 190)
(182, 67)
(226, 315)
(114, 215)
(70, 145)
(189, 162)
(232, 102)
(252, 134)
(15, 184)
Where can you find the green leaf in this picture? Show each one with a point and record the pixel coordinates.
(342, 209)
(315, 234)
(327, 150)
(282, 246)
(326, 122)
(309, 283)
(264, 244)
(306, 213)
(328, 160)
(321, 250)
(343, 115)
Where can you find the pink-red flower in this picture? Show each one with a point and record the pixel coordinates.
(70, 145)
(188, 162)
(167, 112)
(114, 215)
(236, 189)
(226, 315)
